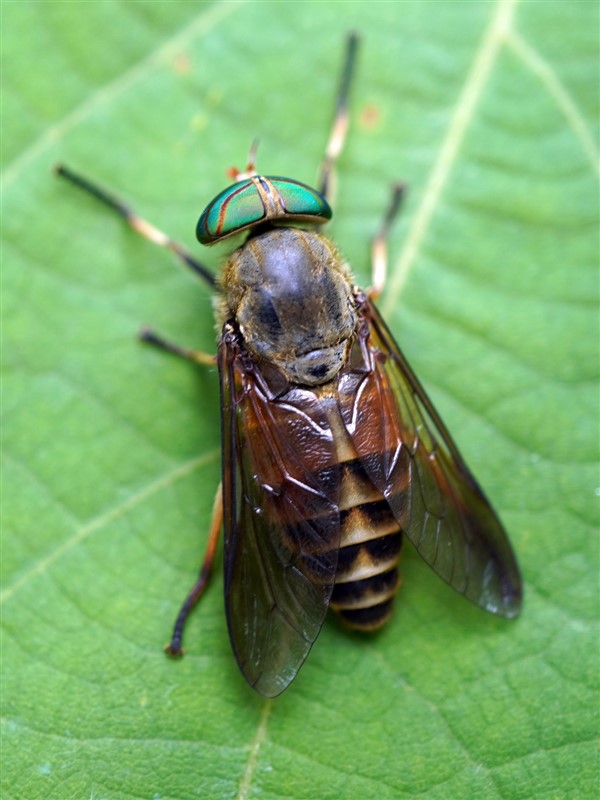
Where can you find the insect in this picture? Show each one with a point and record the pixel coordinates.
(332, 451)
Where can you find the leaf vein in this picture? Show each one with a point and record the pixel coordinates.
(85, 531)
(549, 79)
(201, 25)
(259, 738)
(475, 82)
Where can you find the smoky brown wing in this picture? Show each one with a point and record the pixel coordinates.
(420, 472)
(281, 520)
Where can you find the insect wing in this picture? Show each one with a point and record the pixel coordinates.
(429, 488)
(281, 519)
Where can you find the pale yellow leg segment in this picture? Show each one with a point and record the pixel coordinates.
(197, 356)
(135, 222)
(379, 246)
(337, 137)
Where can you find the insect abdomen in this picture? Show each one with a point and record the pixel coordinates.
(367, 576)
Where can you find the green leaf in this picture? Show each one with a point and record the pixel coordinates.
(488, 111)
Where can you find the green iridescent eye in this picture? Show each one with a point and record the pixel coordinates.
(257, 200)
(301, 200)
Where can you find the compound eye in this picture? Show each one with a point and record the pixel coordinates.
(234, 209)
(257, 200)
(302, 201)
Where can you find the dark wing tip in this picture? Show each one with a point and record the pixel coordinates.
(503, 593)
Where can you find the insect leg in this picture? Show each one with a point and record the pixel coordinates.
(138, 224)
(197, 356)
(174, 647)
(379, 245)
(337, 137)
